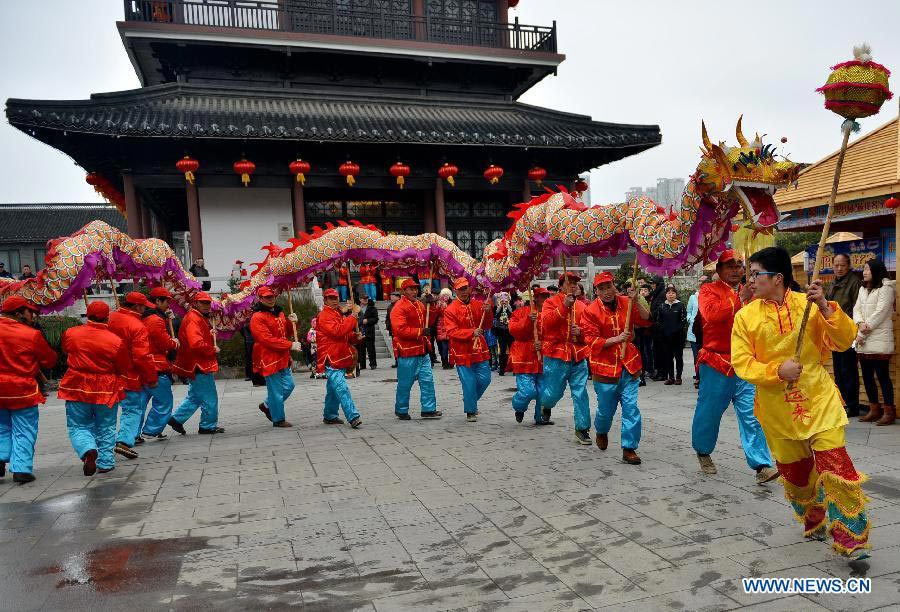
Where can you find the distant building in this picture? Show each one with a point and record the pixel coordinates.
(667, 192)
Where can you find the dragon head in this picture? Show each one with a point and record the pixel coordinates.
(747, 175)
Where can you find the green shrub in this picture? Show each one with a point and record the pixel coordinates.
(52, 327)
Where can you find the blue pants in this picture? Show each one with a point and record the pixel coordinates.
(528, 387)
(131, 417)
(18, 434)
(716, 392)
(93, 427)
(343, 292)
(609, 395)
(279, 385)
(337, 394)
(556, 374)
(161, 406)
(435, 285)
(475, 380)
(409, 370)
(369, 289)
(201, 394)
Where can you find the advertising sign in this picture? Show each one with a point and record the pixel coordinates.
(859, 252)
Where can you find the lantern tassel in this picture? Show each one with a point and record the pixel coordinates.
(245, 179)
(189, 177)
(494, 180)
(301, 178)
(400, 181)
(452, 181)
(350, 180)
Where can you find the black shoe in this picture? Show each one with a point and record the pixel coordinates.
(432, 415)
(519, 417)
(282, 424)
(582, 437)
(394, 365)
(500, 372)
(214, 430)
(546, 413)
(23, 477)
(265, 410)
(356, 422)
(2, 469)
(373, 366)
(178, 427)
(138, 440)
(90, 462)
(362, 367)
(334, 421)
(159, 436)
(853, 411)
(106, 470)
(544, 422)
(643, 383)
(125, 450)
(403, 417)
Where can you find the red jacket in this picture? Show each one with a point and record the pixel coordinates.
(407, 322)
(523, 358)
(271, 346)
(342, 276)
(98, 361)
(197, 350)
(161, 343)
(23, 351)
(128, 326)
(598, 324)
(367, 274)
(718, 304)
(555, 323)
(334, 335)
(462, 320)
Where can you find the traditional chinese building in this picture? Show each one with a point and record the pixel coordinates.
(365, 92)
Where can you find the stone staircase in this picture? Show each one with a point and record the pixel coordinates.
(383, 350)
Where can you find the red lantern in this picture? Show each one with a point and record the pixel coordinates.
(188, 165)
(447, 172)
(400, 171)
(493, 174)
(580, 186)
(94, 180)
(512, 3)
(245, 168)
(537, 174)
(892, 202)
(300, 168)
(349, 169)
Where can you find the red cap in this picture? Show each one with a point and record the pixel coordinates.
(459, 283)
(160, 292)
(602, 277)
(265, 292)
(539, 291)
(203, 296)
(330, 293)
(16, 302)
(726, 256)
(409, 283)
(137, 298)
(570, 275)
(97, 310)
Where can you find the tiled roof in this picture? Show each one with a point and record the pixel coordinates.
(41, 222)
(179, 110)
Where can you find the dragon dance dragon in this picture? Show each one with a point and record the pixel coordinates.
(728, 181)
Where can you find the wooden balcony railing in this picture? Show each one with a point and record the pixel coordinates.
(282, 16)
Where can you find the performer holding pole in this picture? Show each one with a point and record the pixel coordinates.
(161, 346)
(525, 357)
(632, 296)
(468, 348)
(411, 323)
(272, 354)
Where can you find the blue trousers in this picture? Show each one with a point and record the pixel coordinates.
(556, 374)
(92, 427)
(161, 404)
(475, 380)
(435, 285)
(337, 394)
(409, 370)
(18, 434)
(528, 387)
(716, 392)
(279, 387)
(343, 292)
(369, 289)
(201, 394)
(131, 417)
(609, 396)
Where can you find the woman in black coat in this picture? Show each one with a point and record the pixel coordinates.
(672, 319)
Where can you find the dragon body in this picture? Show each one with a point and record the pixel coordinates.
(727, 180)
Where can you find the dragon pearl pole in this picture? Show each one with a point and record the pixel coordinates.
(634, 275)
(290, 301)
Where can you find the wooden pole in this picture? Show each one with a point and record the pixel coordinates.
(290, 299)
(820, 253)
(212, 327)
(634, 275)
(84, 295)
(428, 287)
(534, 324)
(481, 324)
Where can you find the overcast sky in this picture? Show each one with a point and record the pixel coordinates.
(669, 63)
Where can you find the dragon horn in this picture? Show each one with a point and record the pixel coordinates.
(740, 135)
(706, 143)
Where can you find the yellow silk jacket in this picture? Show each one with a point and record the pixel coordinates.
(763, 337)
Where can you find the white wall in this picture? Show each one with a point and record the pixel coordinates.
(237, 222)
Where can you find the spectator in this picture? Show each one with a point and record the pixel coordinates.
(4, 273)
(491, 340)
(657, 297)
(580, 294)
(502, 313)
(875, 340)
(845, 290)
(693, 310)
(443, 339)
(395, 297)
(198, 269)
(553, 289)
(368, 318)
(26, 273)
(644, 338)
(313, 350)
(672, 318)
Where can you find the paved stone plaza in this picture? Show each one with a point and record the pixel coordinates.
(422, 515)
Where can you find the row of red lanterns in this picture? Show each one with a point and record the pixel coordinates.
(349, 170)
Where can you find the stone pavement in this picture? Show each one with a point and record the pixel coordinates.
(423, 515)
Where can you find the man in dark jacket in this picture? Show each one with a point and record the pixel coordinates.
(199, 271)
(844, 290)
(656, 299)
(368, 319)
(394, 297)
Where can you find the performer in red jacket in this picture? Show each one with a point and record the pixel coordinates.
(272, 354)
(162, 343)
(411, 336)
(197, 361)
(525, 357)
(367, 280)
(92, 387)
(334, 334)
(466, 320)
(126, 323)
(616, 378)
(23, 351)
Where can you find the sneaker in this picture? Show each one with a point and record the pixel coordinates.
(546, 413)
(211, 431)
(106, 470)
(706, 465)
(766, 474)
(178, 427)
(471, 418)
(23, 477)
(159, 436)
(582, 437)
(265, 410)
(356, 422)
(602, 441)
(519, 417)
(139, 440)
(90, 462)
(630, 457)
(404, 416)
(282, 424)
(859, 554)
(432, 415)
(543, 422)
(334, 421)
(126, 451)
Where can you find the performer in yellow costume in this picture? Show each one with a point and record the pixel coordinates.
(804, 424)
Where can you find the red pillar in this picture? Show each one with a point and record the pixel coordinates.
(193, 206)
(502, 11)
(428, 209)
(418, 9)
(298, 211)
(440, 216)
(146, 224)
(134, 220)
(526, 190)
